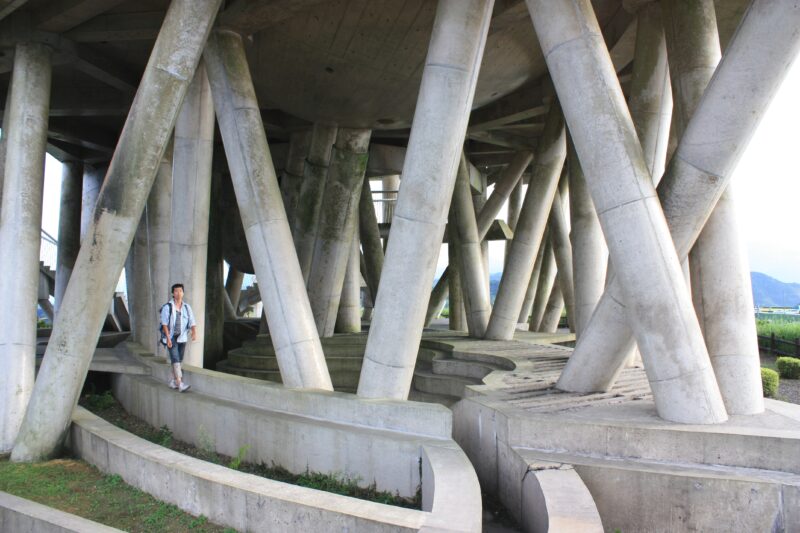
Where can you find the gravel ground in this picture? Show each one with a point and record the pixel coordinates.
(789, 390)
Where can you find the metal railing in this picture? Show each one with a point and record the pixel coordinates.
(48, 250)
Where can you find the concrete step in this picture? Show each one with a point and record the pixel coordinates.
(461, 368)
(343, 380)
(426, 381)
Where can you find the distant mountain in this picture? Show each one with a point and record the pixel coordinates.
(770, 292)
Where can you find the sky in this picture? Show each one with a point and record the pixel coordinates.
(766, 188)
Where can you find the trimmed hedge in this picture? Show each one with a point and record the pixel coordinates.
(788, 367)
(769, 382)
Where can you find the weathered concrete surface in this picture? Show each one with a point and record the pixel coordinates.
(547, 279)
(445, 98)
(268, 236)
(292, 179)
(338, 226)
(130, 177)
(93, 177)
(370, 239)
(528, 235)
(69, 226)
(348, 318)
(25, 516)
(191, 199)
(562, 250)
(637, 234)
(20, 223)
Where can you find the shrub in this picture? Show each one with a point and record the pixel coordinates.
(769, 382)
(788, 367)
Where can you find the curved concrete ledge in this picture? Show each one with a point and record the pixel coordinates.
(19, 515)
(251, 503)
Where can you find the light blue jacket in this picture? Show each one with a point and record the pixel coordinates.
(187, 320)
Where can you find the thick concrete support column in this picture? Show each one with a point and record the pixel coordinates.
(747, 78)
(502, 189)
(457, 313)
(370, 239)
(280, 281)
(292, 179)
(92, 182)
(191, 198)
(20, 223)
(530, 292)
(69, 226)
(721, 287)
(233, 286)
(149, 262)
(660, 310)
(589, 252)
(559, 236)
(547, 278)
(338, 226)
(478, 202)
(440, 120)
(214, 326)
(514, 207)
(348, 319)
(530, 227)
(553, 309)
(4, 136)
(312, 189)
(470, 255)
(133, 168)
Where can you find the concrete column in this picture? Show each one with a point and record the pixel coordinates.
(502, 189)
(456, 316)
(148, 275)
(69, 225)
(514, 206)
(4, 135)
(547, 166)
(92, 182)
(562, 248)
(338, 226)
(589, 252)
(348, 319)
(650, 101)
(553, 309)
(471, 259)
(391, 185)
(747, 78)
(119, 208)
(478, 201)
(309, 199)
(445, 99)
(233, 286)
(530, 292)
(191, 198)
(291, 324)
(20, 224)
(547, 278)
(721, 287)
(370, 239)
(292, 180)
(214, 326)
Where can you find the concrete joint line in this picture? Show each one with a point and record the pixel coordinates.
(560, 45)
(623, 204)
(380, 363)
(447, 67)
(716, 177)
(425, 222)
(682, 375)
(616, 300)
(172, 74)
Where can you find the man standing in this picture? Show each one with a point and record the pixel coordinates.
(177, 319)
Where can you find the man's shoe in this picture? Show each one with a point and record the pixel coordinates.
(184, 387)
(172, 384)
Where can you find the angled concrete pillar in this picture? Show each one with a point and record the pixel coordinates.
(562, 249)
(471, 259)
(547, 278)
(721, 287)
(150, 259)
(530, 227)
(338, 226)
(747, 78)
(20, 224)
(457, 314)
(445, 99)
(93, 177)
(479, 199)
(530, 292)
(233, 286)
(119, 208)
(291, 324)
(502, 189)
(348, 318)
(514, 206)
(292, 178)
(191, 198)
(312, 189)
(589, 252)
(660, 310)
(370, 239)
(4, 135)
(553, 309)
(214, 326)
(69, 226)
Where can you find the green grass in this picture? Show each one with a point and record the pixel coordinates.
(788, 331)
(78, 488)
(107, 407)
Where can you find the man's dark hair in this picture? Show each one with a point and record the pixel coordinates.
(175, 287)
